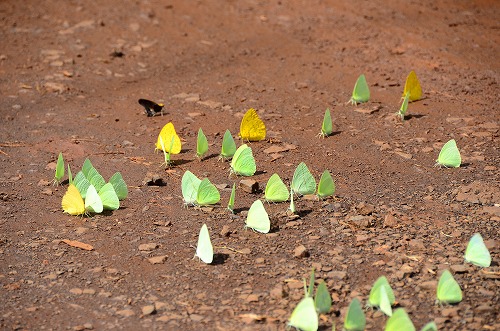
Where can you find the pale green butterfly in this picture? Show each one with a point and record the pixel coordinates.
(477, 253)
(292, 204)
(404, 106)
(228, 146)
(230, 204)
(190, 184)
(119, 185)
(207, 193)
(59, 169)
(449, 156)
(93, 202)
(382, 300)
(82, 184)
(448, 290)
(95, 178)
(322, 300)
(326, 126)
(303, 181)
(304, 316)
(201, 144)
(326, 186)
(87, 165)
(257, 218)
(204, 249)
(431, 326)
(361, 92)
(70, 175)
(243, 162)
(108, 197)
(355, 319)
(276, 190)
(399, 321)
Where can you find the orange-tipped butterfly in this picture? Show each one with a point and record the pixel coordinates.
(151, 107)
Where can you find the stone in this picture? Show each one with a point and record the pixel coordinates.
(157, 259)
(249, 185)
(148, 247)
(300, 252)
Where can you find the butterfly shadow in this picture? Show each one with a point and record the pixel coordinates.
(304, 212)
(211, 156)
(416, 116)
(179, 162)
(334, 133)
(219, 258)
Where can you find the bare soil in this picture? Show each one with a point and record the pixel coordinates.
(71, 75)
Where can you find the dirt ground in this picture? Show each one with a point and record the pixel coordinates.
(71, 73)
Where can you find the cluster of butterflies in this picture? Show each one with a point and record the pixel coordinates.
(88, 192)
(305, 315)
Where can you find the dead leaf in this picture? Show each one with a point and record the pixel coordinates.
(78, 244)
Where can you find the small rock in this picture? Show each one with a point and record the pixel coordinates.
(300, 251)
(44, 182)
(47, 191)
(390, 221)
(225, 232)
(277, 292)
(148, 247)
(125, 312)
(76, 291)
(361, 222)
(157, 259)
(459, 268)
(148, 310)
(365, 208)
(153, 179)
(210, 104)
(429, 285)
(449, 312)
(253, 298)
(249, 185)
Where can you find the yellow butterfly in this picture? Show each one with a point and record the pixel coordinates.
(412, 85)
(72, 201)
(252, 128)
(167, 134)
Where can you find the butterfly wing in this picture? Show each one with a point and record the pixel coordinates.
(448, 290)
(412, 86)
(399, 321)
(167, 133)
(243, 162)
(257, 218)
(207, 193)
(201, 144)
(304, 316)
(355, 319)
(109, 197)
(59, 169)
(190, 184)
(230, 204)
(326, 186)
(95, 178)
(252, 128)
(361, 92)
(119, 185)
(477, 253)
(204, 249)
(385, 304)
(449, 156)
(303, 181)
(228, 145)
(276, 190)
(327, 126)
(82, 184)
(93, 202)
(72, 202)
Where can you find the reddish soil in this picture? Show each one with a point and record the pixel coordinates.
(71, 75)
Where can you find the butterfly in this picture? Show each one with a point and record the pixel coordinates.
(119, 185)
(207, 193)
(72, 201)
(404, 107)
(449, 156)
(326, 126)
(190, 184)
(228, 146)
(355, 319)
(168, 133)
(361, 92)
(201, 144)
(93, 202)
(59, 169)
(431, 326)
(292, 204)
(382, 296)
(448, 290)
(326, 186)
(70, 175)
(230, 204)
(412, 86)
(304, 316)
(151, 107)
(257, 218)
(81, 183)
(322, 300)
(204, 249)
(303, 181)
(243, 162)
(252, 128)
(108, 197)
(477, 253)
(276, 190)
(399, 321)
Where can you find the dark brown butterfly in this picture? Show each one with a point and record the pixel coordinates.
(151, 107)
